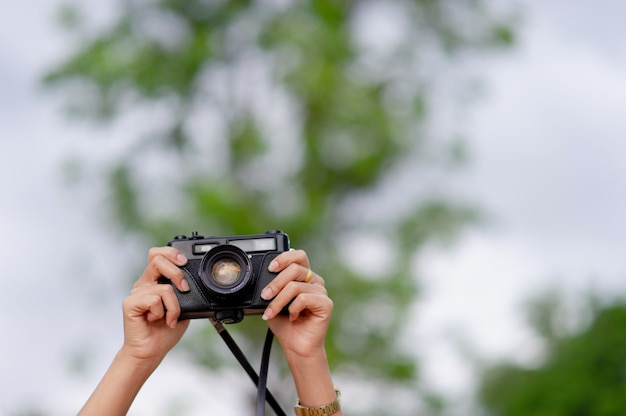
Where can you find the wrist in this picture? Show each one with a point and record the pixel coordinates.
(310, 355)
(138, 363)
(312, 378)
(120, 384)
(332, 408)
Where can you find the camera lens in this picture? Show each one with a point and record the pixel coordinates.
(225, 270)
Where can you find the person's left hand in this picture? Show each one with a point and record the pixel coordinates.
(303, 331)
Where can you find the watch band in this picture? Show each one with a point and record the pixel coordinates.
(326, 410)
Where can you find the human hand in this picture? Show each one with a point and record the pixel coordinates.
(150, 331)
(151, 310)
(303, 331)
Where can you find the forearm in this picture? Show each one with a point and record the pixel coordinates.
(119, 386)
(312, 379)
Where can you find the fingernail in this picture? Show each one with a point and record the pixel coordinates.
(273, 266)
(184, 285)
(267, 293)
(180, 258)
(173, 324)
(268, 314)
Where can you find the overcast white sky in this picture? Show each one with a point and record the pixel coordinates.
(547, 147)
(548, 163)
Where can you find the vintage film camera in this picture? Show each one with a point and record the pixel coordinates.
(226, 274)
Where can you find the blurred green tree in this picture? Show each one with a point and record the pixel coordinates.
(582, 372)
(315, 117)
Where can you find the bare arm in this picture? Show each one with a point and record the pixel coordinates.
(150, 331)
(118, 387)
(302, 333)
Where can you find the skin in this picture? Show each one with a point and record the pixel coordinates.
(151, 329)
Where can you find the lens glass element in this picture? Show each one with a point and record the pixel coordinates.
(226, 271)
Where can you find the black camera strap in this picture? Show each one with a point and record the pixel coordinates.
(263, 372)
(259, 380)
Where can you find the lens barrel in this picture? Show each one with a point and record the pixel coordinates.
(225, 270)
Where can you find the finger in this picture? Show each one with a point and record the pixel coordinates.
(172, 307)
(156, 311)
(314, 303)
(164, 261)
(155, 302)
(289, 257)
(291, 292)
(292, 273)
(146, 305)
(169, 253)
(309, 274)
(162, 266)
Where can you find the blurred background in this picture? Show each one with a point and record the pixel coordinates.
(453, 169)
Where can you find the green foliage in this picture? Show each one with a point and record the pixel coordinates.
(265, 115)
(583, 373)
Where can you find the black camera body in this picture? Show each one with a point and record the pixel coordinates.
(226, 274)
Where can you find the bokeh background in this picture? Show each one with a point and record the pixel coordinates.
(517, 189)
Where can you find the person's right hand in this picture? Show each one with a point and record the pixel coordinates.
(151, 329)
(151, 311)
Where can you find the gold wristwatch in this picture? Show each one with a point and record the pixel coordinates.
(326, 410)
